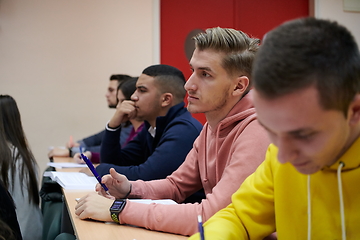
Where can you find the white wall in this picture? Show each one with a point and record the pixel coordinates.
(333, 9)
(56, 57)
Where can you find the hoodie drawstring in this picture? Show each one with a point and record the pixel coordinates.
(342, 212)
(309, 208)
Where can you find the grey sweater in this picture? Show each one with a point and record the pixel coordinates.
(28, 214)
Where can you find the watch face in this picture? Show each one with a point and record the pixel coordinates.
(118, 205)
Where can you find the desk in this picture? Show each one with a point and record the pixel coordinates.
(89, 229)
(65, 159)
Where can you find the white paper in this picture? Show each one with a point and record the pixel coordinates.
(158, 201)
(72, 180)
(66, 165)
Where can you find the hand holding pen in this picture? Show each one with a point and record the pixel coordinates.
(119, 184)
(92, 169)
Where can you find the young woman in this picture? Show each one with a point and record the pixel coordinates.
(18, 169)
(124, 92)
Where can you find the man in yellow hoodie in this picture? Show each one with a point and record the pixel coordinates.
(307, 96)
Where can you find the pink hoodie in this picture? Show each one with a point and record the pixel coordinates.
(219, 162)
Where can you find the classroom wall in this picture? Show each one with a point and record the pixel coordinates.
(56, 57)
(333, 9)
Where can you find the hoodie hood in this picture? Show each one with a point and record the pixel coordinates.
(220, 140)
(350, 158)
(241, 110)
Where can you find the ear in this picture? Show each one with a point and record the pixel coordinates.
(166, 99)
(241, 84)
(354, 110)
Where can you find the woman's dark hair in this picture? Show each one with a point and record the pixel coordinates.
(128, 87)
(11, 133)
(6, 233)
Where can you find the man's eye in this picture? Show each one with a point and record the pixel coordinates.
(205, 74)
(304, 136)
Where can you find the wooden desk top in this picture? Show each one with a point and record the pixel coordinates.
(89, 229)
(63, 159)
(66, 159)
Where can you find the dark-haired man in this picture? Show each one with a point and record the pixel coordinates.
(168, 134)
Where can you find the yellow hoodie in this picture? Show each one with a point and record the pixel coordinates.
(279, 198)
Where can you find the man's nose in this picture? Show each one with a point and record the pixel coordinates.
(286, 150)
(134, 97)
(190, 83)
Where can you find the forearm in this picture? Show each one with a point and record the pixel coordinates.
(111, 149)
(179, 185)
(180, 219)
(93, 140)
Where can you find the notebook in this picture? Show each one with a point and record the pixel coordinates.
(72, 180)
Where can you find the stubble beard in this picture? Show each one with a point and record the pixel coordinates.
(192, 108)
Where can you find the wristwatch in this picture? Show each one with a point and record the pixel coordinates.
(116, 209)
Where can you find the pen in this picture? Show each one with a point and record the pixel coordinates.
(201, 228)
(92, 169)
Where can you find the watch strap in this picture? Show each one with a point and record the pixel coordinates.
(115, 217)
(116, 208)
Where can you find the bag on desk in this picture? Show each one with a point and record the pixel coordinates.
(50, 190)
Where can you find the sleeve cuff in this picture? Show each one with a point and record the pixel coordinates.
(111, 129)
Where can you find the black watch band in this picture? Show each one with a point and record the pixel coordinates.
(116, 209)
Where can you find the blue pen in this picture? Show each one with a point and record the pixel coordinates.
(201, 228)
(92, 169)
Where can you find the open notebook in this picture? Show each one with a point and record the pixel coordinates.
(66, 165)
(72, 180)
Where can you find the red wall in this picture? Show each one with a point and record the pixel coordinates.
(254, 17)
